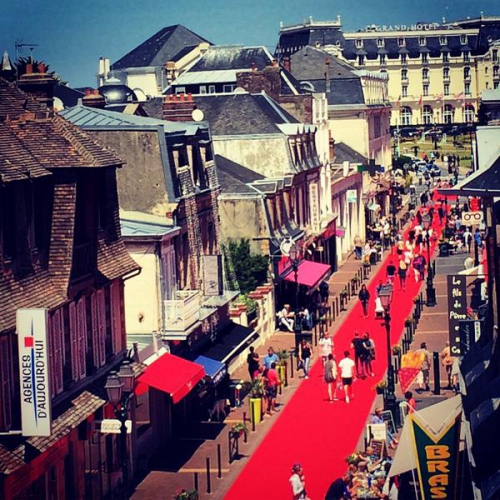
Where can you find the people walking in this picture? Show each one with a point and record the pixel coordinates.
(325, 346)
(358, 247)
(270, 358)
(298, 483)
(330, 377)
(346, 367)
(272, 381)
(425, 368)
(357, 347)
(253, 362)
(402, 274)
(305, 357)
(368, 354)
(364, 298)
(447, 360)
(390, 271)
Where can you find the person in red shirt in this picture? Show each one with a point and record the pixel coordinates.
(271, 384)
(410, 401)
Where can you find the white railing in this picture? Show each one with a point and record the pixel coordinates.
(182, 311)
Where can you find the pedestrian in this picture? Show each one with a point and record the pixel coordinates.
(253, 362)
(410, 401)
(357, 347)
(390, 271)
(419, 264)
(425, 368)
(402, 274)
(368, 354)
(447, 360)
(270, 358)
(339, 489)
(400, 246)
(330, 377)
(298, 483)
(306, 319)
(346, 366)
(364, 298)
(358, 247)
(477, 238)
(325, 346)
(305, 357)
(272, 381)
(324, 290)
(467, 236)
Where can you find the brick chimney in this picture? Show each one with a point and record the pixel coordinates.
(178, 108)
(93, 99)
(267, 80)
(39, 84)
(287, 64)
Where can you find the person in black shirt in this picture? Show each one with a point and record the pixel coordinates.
(339, 489)
(390, 271)
(357, 346)
(364, 298)
(253, 362)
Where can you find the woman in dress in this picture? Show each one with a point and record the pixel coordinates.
(331, 378)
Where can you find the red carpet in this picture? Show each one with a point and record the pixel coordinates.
(314, 432)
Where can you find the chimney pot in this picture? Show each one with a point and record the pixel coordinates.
(174, 97)
(190, 97)
(29, 69)
(41, 68)
(96, 92)
(88, 91)
(275, 63)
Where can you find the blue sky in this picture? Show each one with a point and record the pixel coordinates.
(71, 34)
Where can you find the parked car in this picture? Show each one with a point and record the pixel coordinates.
(434, 170)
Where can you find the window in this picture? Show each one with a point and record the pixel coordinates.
(228, 88)
(442, 40)
(211, 89)
(6, 385)
(427, 115)
(469, 113)
(404, 91)
(376, 126)
(425, 89)
(486, 70)
(496, 85)
(421, 41)
(403, 58)
(401, 42)
(466, 56)
(425, 73)
(380, 42)
(359, 44)
(466, 73)
(446, 57)
(425, 57)
(463, 39)
(405, 116)
(446, 73)
(495, 71)
(446, 89)
(180, 90)
(404, 74)
(448, 114)
(382, 59)
(203, 89)
(494, 55)
(361, 60)
(467, 89)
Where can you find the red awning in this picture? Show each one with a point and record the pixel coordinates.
(310, 273)
(171, 374)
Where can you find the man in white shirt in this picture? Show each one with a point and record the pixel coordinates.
(346, 367)
(325, 347)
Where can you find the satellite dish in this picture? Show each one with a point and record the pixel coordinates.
(286, 246)
(197, 115)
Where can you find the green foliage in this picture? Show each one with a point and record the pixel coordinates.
(250, 269)
(186, 495)
(22, 62)
(250, 303)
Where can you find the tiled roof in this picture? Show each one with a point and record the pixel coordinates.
(11, 458)
(113, 260)
(160, 48)
(64, 144)
(14, 102)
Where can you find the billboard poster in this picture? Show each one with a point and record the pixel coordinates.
(212, 275)
(457, 309)
(32, 333)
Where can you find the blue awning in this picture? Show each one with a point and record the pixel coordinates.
(214, 369)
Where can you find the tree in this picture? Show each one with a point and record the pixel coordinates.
(250, 269)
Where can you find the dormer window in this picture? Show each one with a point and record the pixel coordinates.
(463, 39)
(359, 44)
(401, 42)
(442, 40)
(380, 43)
(421, 41)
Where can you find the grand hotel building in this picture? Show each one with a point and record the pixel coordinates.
(436, 71)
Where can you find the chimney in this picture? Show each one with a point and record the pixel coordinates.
(170, 71)
(178, 108)
(39, 84)
(93, 99)
(287, 64)
(256, 81)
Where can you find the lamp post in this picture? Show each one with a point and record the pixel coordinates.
(294, 256)
(385, 295)
(430, 290)
(119, 387)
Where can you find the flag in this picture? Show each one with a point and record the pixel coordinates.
(398, 102)
(411, 363)
(420, 101)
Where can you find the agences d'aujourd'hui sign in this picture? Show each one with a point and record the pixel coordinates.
(32, 328)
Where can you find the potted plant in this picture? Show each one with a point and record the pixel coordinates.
(396, 350)
(381, 387)
(352, 459)
(186, 495)
(238, 429)
(343, 293)
(409, 322)
(256, 392)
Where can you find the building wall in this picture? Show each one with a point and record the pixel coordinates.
(351, 129)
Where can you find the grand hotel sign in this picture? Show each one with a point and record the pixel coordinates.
(403, 27)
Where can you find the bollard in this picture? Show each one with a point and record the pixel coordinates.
(330, 319)
(195, 481)
(337, 305)
(315, 338)
(286, 375)
(219, 462)
(209, 484)
(291, 362)
(437, 375)
(252, 409)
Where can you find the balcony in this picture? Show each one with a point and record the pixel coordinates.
(182, 311)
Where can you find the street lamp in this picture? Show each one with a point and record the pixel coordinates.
(430, 290)
(385, 296)
(119, 387)
(294, 255)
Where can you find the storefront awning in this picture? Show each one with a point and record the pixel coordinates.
(232, 343)
(214, 369)
(171, 374)
(310, 273)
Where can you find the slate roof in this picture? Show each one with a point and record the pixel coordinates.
(343, 152)
(67, 95)
(163, 46)
(243, 114)
(483, 182)
(221, 57)
(234, 178)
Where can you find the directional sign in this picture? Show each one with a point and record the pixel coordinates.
(113, 426)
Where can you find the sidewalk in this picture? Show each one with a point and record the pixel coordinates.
(162, 484)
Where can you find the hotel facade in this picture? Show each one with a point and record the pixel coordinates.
(437, 71)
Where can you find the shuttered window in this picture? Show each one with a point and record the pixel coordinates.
(5, 384)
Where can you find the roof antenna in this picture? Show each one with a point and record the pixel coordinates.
(19, 45)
